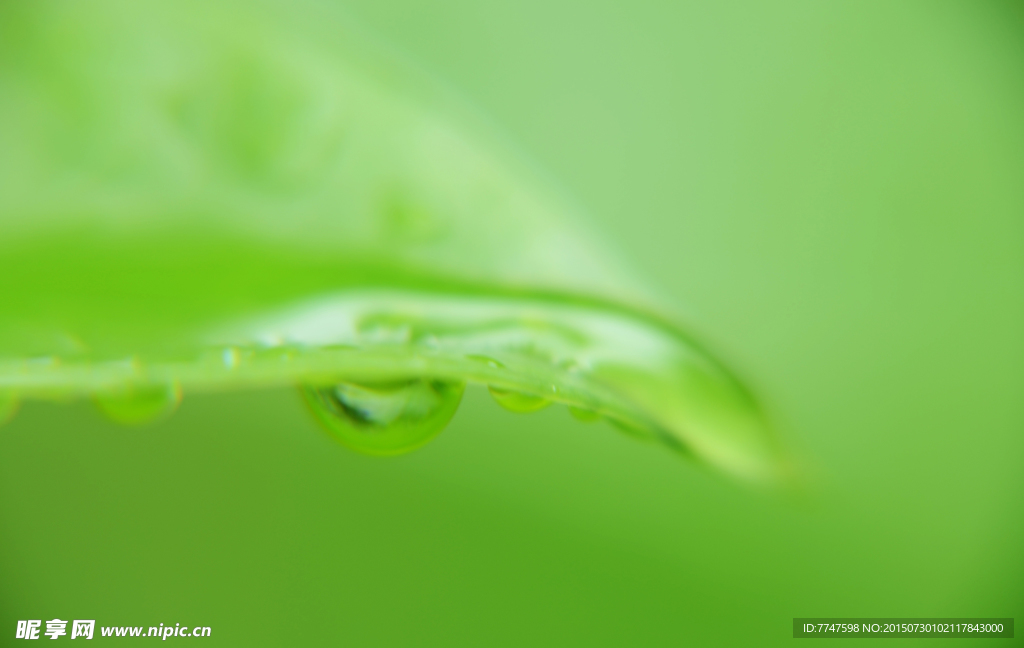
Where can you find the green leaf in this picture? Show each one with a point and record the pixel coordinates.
(234, 195)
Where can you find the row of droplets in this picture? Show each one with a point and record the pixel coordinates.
(384, 418)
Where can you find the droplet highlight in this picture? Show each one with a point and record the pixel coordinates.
(387, 418)
(516, 401)
(139, 404)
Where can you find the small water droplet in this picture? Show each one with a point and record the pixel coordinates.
(8, 407)
(516, 401)
(385, 418)
(490, 362)
(139, 404)
(585, 415)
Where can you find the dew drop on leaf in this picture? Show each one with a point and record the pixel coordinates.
(516, 401)
(139, 404)
(385, 418)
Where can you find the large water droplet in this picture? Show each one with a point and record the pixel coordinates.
(8, 407)
(516, 401)
(385, 418)
(139, 404)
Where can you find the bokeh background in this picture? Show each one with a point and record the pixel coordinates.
(833, 192)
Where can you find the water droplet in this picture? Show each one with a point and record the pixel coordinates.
(585, 415)
(516, 401)
(139, 404)
(490, 362)
(8, 407)
(385, 418)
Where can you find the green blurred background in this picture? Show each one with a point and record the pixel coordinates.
(834, 192)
